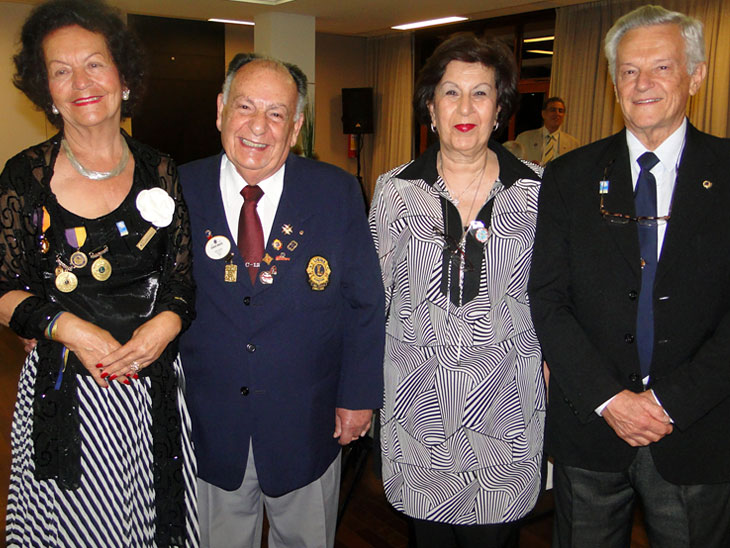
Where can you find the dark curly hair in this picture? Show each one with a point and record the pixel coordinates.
(468, 48)
(31, 76)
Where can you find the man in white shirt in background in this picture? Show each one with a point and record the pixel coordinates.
(543, 144)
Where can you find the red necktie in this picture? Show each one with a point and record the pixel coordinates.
(250, 232)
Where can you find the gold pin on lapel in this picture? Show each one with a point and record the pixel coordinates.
(707, 184)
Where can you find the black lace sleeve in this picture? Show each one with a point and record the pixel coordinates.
(18, 231)
(21, 207)
(177, 288)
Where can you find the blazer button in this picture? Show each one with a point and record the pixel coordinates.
(244, 390)
(251, 347)
(247, 301)
(628, 338)
(633, 377)
(633, 294)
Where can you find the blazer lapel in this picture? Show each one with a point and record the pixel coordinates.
(620, 199)
(689, 200)
(284, 249)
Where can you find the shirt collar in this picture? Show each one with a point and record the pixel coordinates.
(273, 186)
(668, 152)
(545, 132)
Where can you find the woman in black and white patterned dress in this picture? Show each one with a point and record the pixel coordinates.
(96, 266)
(462, 422)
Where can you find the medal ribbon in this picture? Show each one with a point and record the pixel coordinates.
(76, 237)
(46, 220)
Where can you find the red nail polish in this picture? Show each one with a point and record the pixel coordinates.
(126, 381)
(135, 376)
(112, 377)
(104, 375)
(99, 365)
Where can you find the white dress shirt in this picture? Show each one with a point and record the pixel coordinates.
(665, 172)
(231, 184)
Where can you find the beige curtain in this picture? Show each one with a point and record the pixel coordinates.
(580, 74)
(390, 72)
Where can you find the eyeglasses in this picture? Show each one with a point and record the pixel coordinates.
(453, 250)
(623, 219)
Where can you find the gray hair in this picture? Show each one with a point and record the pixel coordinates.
(241, 59)
(691, 29)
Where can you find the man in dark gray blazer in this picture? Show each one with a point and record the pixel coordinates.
(630, 295)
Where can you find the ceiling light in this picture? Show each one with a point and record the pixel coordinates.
(232, 21)
(539, 39)
(267, 2)
(541, 51)
(430, 23)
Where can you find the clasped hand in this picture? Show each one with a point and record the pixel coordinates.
(637, 418)
(108, 360)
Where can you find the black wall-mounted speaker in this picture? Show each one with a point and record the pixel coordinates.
(357, 110)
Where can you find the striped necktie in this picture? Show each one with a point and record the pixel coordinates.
(548, 150)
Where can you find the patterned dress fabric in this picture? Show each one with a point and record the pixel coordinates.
(129, 445)
(463, 417)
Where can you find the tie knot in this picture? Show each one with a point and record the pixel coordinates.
(647, 161)
(251, 193)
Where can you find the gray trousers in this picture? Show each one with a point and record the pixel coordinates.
(597, 508)
(305, 517)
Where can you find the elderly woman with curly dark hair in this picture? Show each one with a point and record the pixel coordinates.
(96, 266)
(462, 421)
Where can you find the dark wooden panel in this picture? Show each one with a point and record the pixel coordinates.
(186, 67)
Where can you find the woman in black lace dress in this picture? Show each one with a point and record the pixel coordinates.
(96, 266)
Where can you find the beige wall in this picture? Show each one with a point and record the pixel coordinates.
(20, 124)
(239, 39)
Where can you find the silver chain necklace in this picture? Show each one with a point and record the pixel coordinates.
(97, 175)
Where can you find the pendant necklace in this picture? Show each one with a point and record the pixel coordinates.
(462, 255)
(97, 175)
(455, 198)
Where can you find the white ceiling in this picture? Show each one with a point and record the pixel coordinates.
(353, 17)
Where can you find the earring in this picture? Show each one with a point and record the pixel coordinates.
(125, 95)
(433, 128)
(496, 126)
(54, 110)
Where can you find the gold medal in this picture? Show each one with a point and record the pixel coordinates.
(318, 271)
(66, 281)
(231, 273)
(78, 259)
(101, 269)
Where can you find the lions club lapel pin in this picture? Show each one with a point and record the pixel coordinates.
(318, 271)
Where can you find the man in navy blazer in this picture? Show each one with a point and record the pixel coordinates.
(285, 358)
(631, 301)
